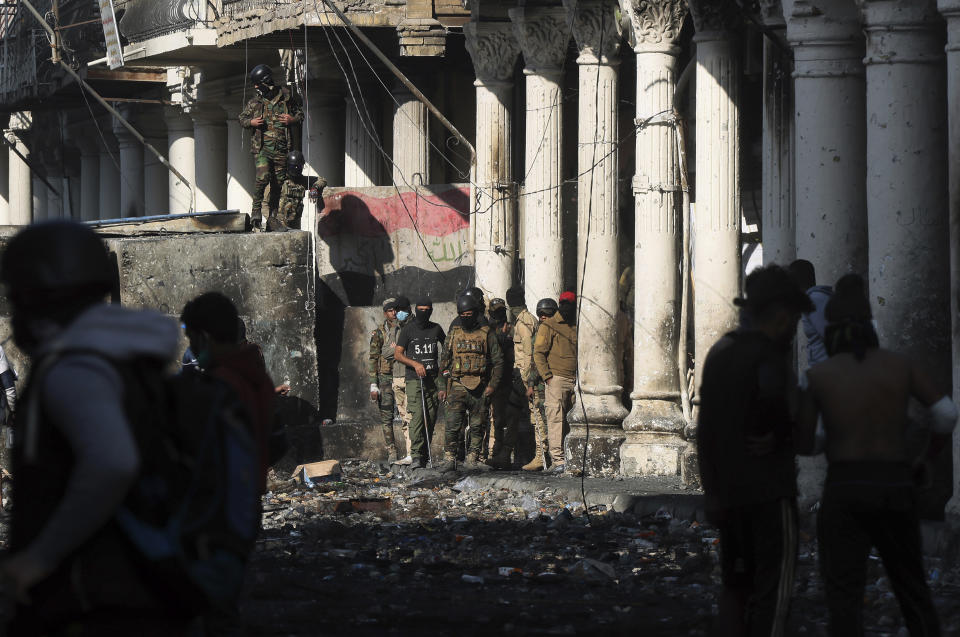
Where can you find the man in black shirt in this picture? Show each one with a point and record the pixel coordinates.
(747, 458)
(418, 347)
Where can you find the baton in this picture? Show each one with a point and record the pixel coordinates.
(426, 423)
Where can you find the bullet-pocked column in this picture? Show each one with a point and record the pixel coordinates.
(907, 190)
(950, 9)
(361, 157)
(494, 51)
(411, 150)
(131, 169)
(156, 183)
(20, 191)
(655, 425)
(830, 120)
(596, 28)
(180, 147)
(241, 173)
(543, 34)
(779, 219)
(210, 147)
(716, 252)
(4, 185)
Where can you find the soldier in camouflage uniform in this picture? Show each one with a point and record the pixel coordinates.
(536, 388)
(382, 368)
(472, 365)
(271, 114)
(504, 405)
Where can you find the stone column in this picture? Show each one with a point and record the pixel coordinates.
(89, 178)
(241, 172)
(716, 252)
(778, 228)
(109, 187)
(494, 52)
(21, 198)
(4, 183)
(180, 154)
(156, 186)
(55, 197)
(596, 28)
(210, 146)
(655, 425)
(361, 158)
(131, 169)
(411, 137)
(543, 34)
(323, 135)
(831, 230)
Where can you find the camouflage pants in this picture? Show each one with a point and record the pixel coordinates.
(386, 402)
(421, 432)
(271, 168)
(536, 404)
(461, 400)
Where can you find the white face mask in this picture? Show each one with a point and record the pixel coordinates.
(402, 315)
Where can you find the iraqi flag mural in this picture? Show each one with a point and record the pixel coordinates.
(373, 243)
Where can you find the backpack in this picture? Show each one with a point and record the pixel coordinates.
(191, 518)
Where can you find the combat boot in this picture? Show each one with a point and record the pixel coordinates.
(534, 465)
(449, 463)
(275, 225)
(475, 461)
(500, 460)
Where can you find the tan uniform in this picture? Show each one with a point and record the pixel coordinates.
(523, 335)
(555, 355)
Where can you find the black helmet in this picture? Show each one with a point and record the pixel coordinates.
(261, 74)
(55, 260)
(467, 303)
(546, 307)
(295, 161)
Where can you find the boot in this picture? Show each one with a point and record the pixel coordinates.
(475, 461)
(275, 225)
(449, 463)
(500, 460)
(536, 464)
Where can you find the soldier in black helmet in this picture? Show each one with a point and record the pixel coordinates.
(536, 391)
(291, 194)
(272, 114)
(472, 364)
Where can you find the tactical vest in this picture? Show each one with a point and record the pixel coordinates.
(385, 366)
(291, 200)
(470, 355)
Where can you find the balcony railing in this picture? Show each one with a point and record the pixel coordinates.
(145, 19)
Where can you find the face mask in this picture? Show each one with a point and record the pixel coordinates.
(468, 322)
(265, 90)
(402, 315)
(498, 317)
(423, 316)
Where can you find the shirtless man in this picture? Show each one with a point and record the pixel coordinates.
(860, 396)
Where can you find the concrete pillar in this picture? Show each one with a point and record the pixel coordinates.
(323, 135)
(716, 251)
(778, 227)
(543, 34)
(90, 179)
(210, 146)
(55, 197)
(131, 169)
(40, 196)
(362, 158)
(830, 169)
(180, 154)
(4, 185)
(411, 140)
(109, 187)
(21, 198)
(950, 9)
(241, 172)
(156, 186)
(655, 443)
(596, 28)
(494, 52)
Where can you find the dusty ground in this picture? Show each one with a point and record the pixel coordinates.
(450, 557)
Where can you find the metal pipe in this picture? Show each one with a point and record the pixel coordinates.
(111, 110)
(406, 82)
(685, 269)
(96, 223)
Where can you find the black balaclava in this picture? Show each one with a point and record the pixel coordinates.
(423, 316)
(498, 317)
(469, 322)
(568, 310)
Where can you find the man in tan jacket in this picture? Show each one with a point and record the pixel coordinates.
(555, 355)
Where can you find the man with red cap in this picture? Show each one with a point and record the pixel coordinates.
(555, 355)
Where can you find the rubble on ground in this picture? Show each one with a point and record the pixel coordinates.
(377, 550)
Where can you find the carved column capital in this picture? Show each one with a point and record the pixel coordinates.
(715, 15)
(656, 23)
(898, 33)
(596, 28)
(543, 34)
(493, 50)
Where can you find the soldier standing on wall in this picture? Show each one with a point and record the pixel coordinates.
(472, 365)
(270, 114)
(536, 389)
